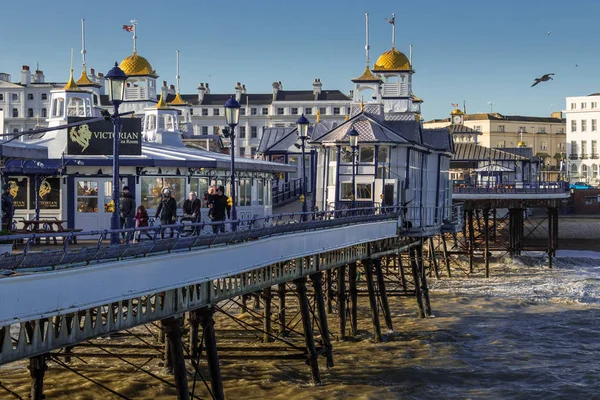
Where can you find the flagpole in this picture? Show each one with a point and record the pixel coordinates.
(393, 31)
(367, 47)
(83, 63)
(134, 22)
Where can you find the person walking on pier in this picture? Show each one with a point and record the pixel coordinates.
(219, 205)
(141, 220)
(8, 209)
(191, 209)
(167, 210)
(127, 211)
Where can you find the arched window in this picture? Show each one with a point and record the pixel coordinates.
(594, 170)
(584, 171)
(57, 107)
(75, 107)
(574, 169)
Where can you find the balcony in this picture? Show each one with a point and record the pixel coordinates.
(594, 156)
(573, 157)
(583, 156)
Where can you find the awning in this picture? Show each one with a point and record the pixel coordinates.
(32, 167)
(494, 168)
(16, 149)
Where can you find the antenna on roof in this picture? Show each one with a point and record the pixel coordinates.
(177, 75)
(83, 64)
(367, 47)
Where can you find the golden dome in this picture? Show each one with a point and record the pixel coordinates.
(366, 76)
(71, 85)
(178, 101)
(161, 104)
(456, 111)
(392, 60)
(84, 80)
(135, 65)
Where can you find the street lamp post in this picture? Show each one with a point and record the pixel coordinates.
(232, 116)
(116, 92)
(302, 125)
(353, 137)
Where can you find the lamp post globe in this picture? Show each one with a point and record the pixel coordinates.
(302, 128)
(353, 139)
(232, 116)
(116, 93)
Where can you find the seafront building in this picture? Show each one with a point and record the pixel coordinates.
(582, 116)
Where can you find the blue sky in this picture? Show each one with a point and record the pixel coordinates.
(477, 51)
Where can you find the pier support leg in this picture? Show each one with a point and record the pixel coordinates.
(37, 369)
(511, 232)
(341, 298)
(434, 260)
(308, 330)
(424, 287)
(172, 327)
(372, 299)
(471, 240)
(415, 271)
(446, 259)
(194, 320)
(244, 303)
(550, 235)
(317, 281)
(353, 298)
(208, 326)
(266, 294)
(486, 235)
(168, 359)
(330, 294)
(401, 270)
(494, 225)
(281, 316)
(387, 315)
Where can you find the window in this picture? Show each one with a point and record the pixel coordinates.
(573, 126)
(44, 112)
(336, 111)
(242, 151)
(573, 106)
(44, 96)
(346, 191)
(242, 132)
(253, 132)
(152, 186)
(1, 97)
(541, 130)
(477, 128)
(583, 125)
(307, 110)
(16, 130)
(244, 197)
(260, 185)
(560, 130)
(87, 196)
(253, 111)
(562, 146)
(279, 110)
(364, 191)
(594, 125)
(382, 155)
(242, 111)
(30, 112)
(583, 105)
(15, 113)
(15, 97)
(594, 104)
(500, 128)
(323, 110)
(205, 112)
(29, 96)
(294, 110)
(501, 144)
(522, 129)
(252, 151)
(584, 149)
(594, 149)
(215, 111)
(573, 147)
(216, 130)
(591, 200)
(367, 154)
(265, 111)
(199, 185)
(191, 110)
(346, 153)
(544, 146)
(205, 130)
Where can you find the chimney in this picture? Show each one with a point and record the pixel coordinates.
(93, 75)
(100, 81)
(207, 88)
(243, 89)
(39, 76)
(275, 90)
(351, 94)
(25, 75)
(556, 114)
(201, 92)
(171, 89)
(238, 91)
(317, 88)
(164, 90)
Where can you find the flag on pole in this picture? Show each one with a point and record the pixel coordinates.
(128, 28)
(454, 104)
(391, 21)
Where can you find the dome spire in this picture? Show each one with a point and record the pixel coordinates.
(367, 47)
(83, 80)
(393, 23)
(134, 25)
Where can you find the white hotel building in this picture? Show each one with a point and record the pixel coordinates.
(582, 114)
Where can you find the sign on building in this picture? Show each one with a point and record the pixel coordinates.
(96, 138)
(49, 194)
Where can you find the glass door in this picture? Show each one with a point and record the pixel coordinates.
(93, 203)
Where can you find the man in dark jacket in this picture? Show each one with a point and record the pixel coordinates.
(8, 209)
(167, 210)
(191, 207)
(127, 211)
(219, 206)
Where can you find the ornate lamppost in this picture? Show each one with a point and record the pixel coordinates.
(116, 92)
(302, 125)
(232, 116)
(353, 138)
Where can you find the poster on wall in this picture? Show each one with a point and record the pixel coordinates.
(96, 138)
(17, 188)
(49, 194)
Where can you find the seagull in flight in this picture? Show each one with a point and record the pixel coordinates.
(549, 32)
(544, 78)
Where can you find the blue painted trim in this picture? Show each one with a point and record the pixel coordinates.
(407, 167)
(71, 201)
(376, 159)
(337, 174)
(326, 177)
(437, 189)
